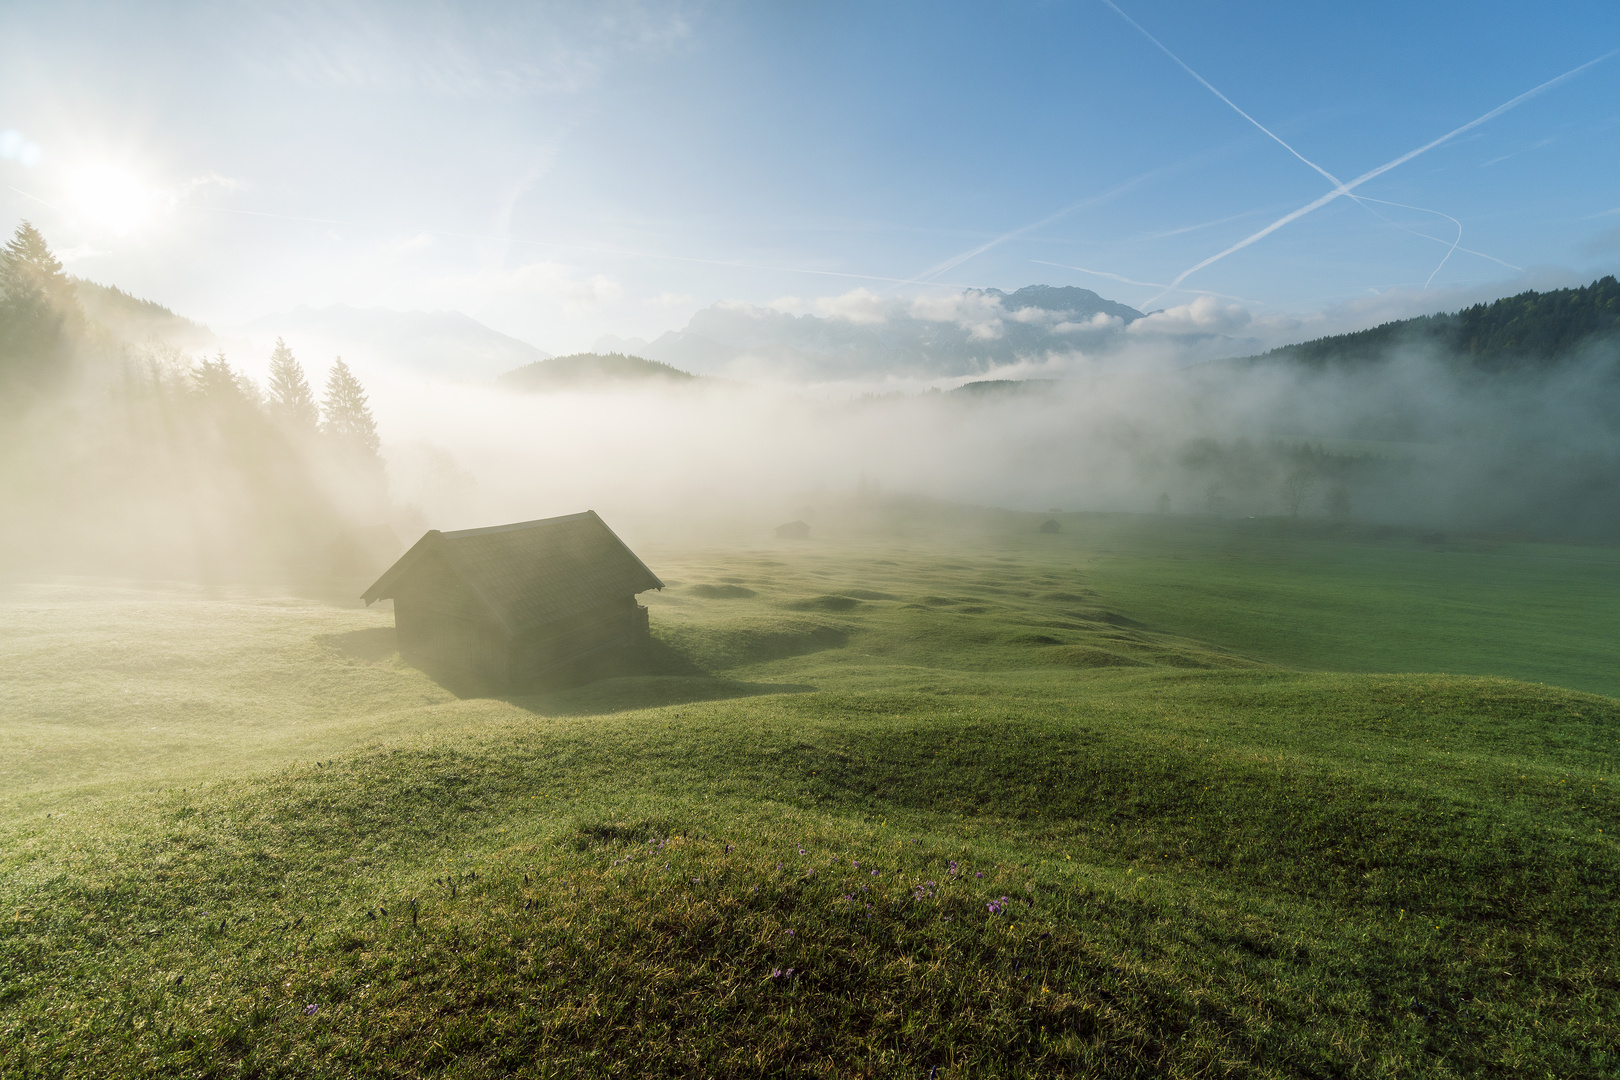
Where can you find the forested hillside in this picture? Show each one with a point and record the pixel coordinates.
(1529, 330)
(122, 449)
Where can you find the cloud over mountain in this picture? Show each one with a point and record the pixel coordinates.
(862, 332)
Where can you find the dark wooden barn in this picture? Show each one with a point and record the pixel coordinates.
(509, 603)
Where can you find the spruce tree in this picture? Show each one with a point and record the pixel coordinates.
(213, 380)
(291, 400)
(38, 307)
(348, 417)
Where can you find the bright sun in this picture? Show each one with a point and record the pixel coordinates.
(111, 197)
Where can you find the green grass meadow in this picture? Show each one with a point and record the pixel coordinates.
(1148, 797)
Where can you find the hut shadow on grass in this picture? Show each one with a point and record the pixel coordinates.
(374, 645)
(647, 677)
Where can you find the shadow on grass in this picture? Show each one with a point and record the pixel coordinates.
(625, 694)
(375, 645)
(648, 677)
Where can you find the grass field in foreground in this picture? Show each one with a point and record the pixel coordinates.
(1089, 841)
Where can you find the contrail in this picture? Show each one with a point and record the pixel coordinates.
(1337, 183)
(1208, 86)
(1345, 189)
(1165, 235)
(927, 276)
(36, 198)
(1454, 245)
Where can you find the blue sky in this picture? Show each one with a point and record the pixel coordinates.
(566, 171)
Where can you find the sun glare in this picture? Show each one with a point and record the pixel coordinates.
(111, 197)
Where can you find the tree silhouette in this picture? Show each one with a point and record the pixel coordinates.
(217, 384)
(1296, 489)
(348, 418)
(38, 308)
(291, 400)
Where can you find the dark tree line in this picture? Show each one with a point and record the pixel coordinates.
(1531, 329)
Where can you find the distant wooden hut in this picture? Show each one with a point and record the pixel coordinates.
(508, 603)
(793, 530)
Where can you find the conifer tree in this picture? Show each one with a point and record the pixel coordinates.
(215, 382)
(291, 400)
(347, 416)
(38, 305)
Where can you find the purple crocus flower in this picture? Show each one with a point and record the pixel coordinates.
(311, 1009)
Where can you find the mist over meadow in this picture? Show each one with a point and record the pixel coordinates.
(128, 449)
(1417, 440)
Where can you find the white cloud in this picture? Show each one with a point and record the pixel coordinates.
(1205, 315)
(862, 306)
(1034, 315)
(596, 289)
(977, 313)
(1101, 321)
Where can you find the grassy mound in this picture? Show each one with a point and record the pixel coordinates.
(724, 592)
(242, 839)
(1042, 888)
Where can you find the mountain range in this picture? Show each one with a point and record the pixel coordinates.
(967, 333)
(959, 334)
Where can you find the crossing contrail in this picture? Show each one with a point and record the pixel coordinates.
(1210, 87)
(1337, 183)
(1347, 188)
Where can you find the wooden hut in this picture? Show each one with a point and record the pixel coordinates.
(508, 603)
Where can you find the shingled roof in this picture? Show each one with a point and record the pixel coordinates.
(533, 572)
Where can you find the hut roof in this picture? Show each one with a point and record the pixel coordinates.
(532, 572)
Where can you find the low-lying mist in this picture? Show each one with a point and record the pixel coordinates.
(1417, 440)
(122, 457)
